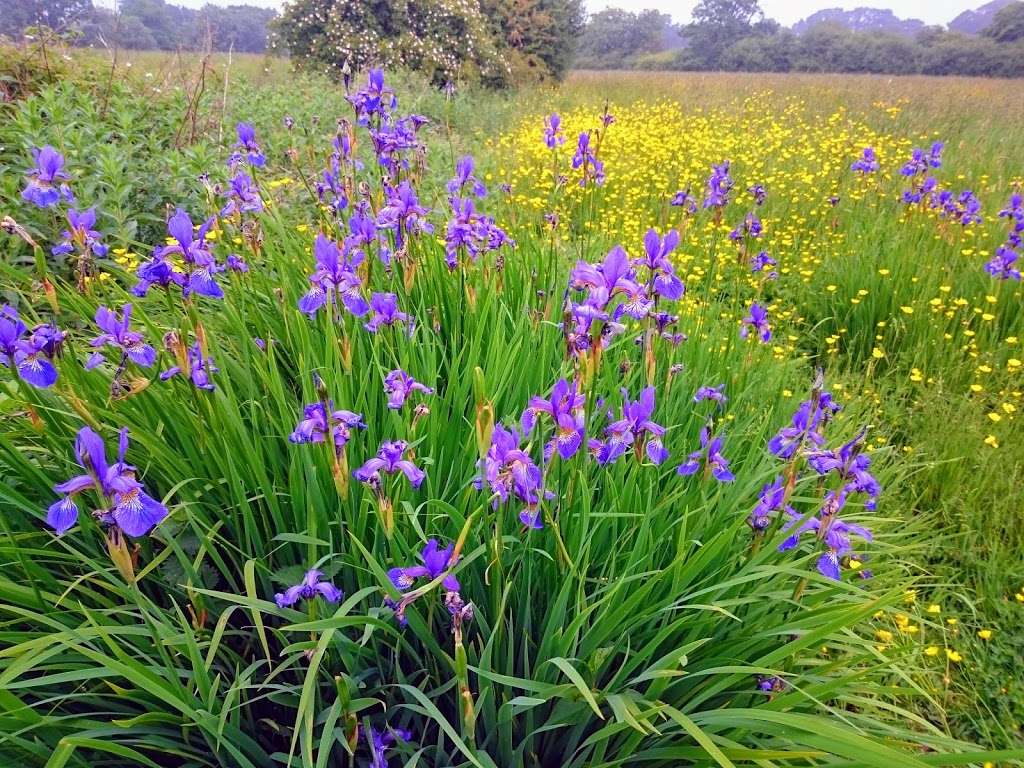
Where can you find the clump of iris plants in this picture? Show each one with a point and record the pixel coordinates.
(412, 483)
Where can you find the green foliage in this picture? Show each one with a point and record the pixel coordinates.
(540, 35)
(612, 37)
(447, 40)
(1008, 24)
(638, 642)
(16, 15)
(496, 42)
(762, 53)
(734, 35)
(142, 24)
(718, 24)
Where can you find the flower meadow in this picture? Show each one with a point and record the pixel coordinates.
(573, 446)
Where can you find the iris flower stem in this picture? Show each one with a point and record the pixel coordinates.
(799, 590)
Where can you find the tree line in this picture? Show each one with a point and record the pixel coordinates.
(142, 24)
(734, 35)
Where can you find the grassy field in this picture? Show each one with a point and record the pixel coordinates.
(643, 622)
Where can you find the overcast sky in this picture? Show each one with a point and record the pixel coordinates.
(784, 11)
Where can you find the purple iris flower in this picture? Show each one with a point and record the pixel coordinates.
(330, 190)
(683, 199)
(769, 503)
(363, 234)
(48, 339)
(1001, 266)
(663, 279)
(389, 460)
(804, 428)
(247, 147)
(921, 161)
(403, 214)
(964, 208)
(1014, 209)
(851, 466)
(750, 227)
(394, 142)
(710, 454)
(435, 562)
(611, 277)
(761, 262)
(715, 394)
(508, 470)
(117, 333)
(866, 163)
(921, 191)
(320, 420)
(381, 741)
(236, 263)
(131, 509)
(585, 160)
(1014, 212)
(156, 271)
(463, 176)
(313, 585)
(471, 232)
(28, 353)
(553, 136)
(241, 196)
(375, 100)
(386, 313)
(770, 684)
(917, 169)
(718, 187)
(200, 369)
(398, 385)
(631, 430)
(335, 280)
(191, 246)
(80, 234)
(756, 320)
(759, 193)
(565, 407)
(584, 316)
(45, 187)
(833, 532)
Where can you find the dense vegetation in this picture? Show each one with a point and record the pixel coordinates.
(497, 42)
(647, 612)
(146, 25)
(735, 36)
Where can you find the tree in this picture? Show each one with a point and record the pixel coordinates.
(539, 34)
(103, 28)
(956, 54)
(827, 47)
(762, 53)
(1007, 25)
(613, 37)
(59, 15)
(171, 26)
(239, 27)
(718, 24)
(471, 40)
(884, 53)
